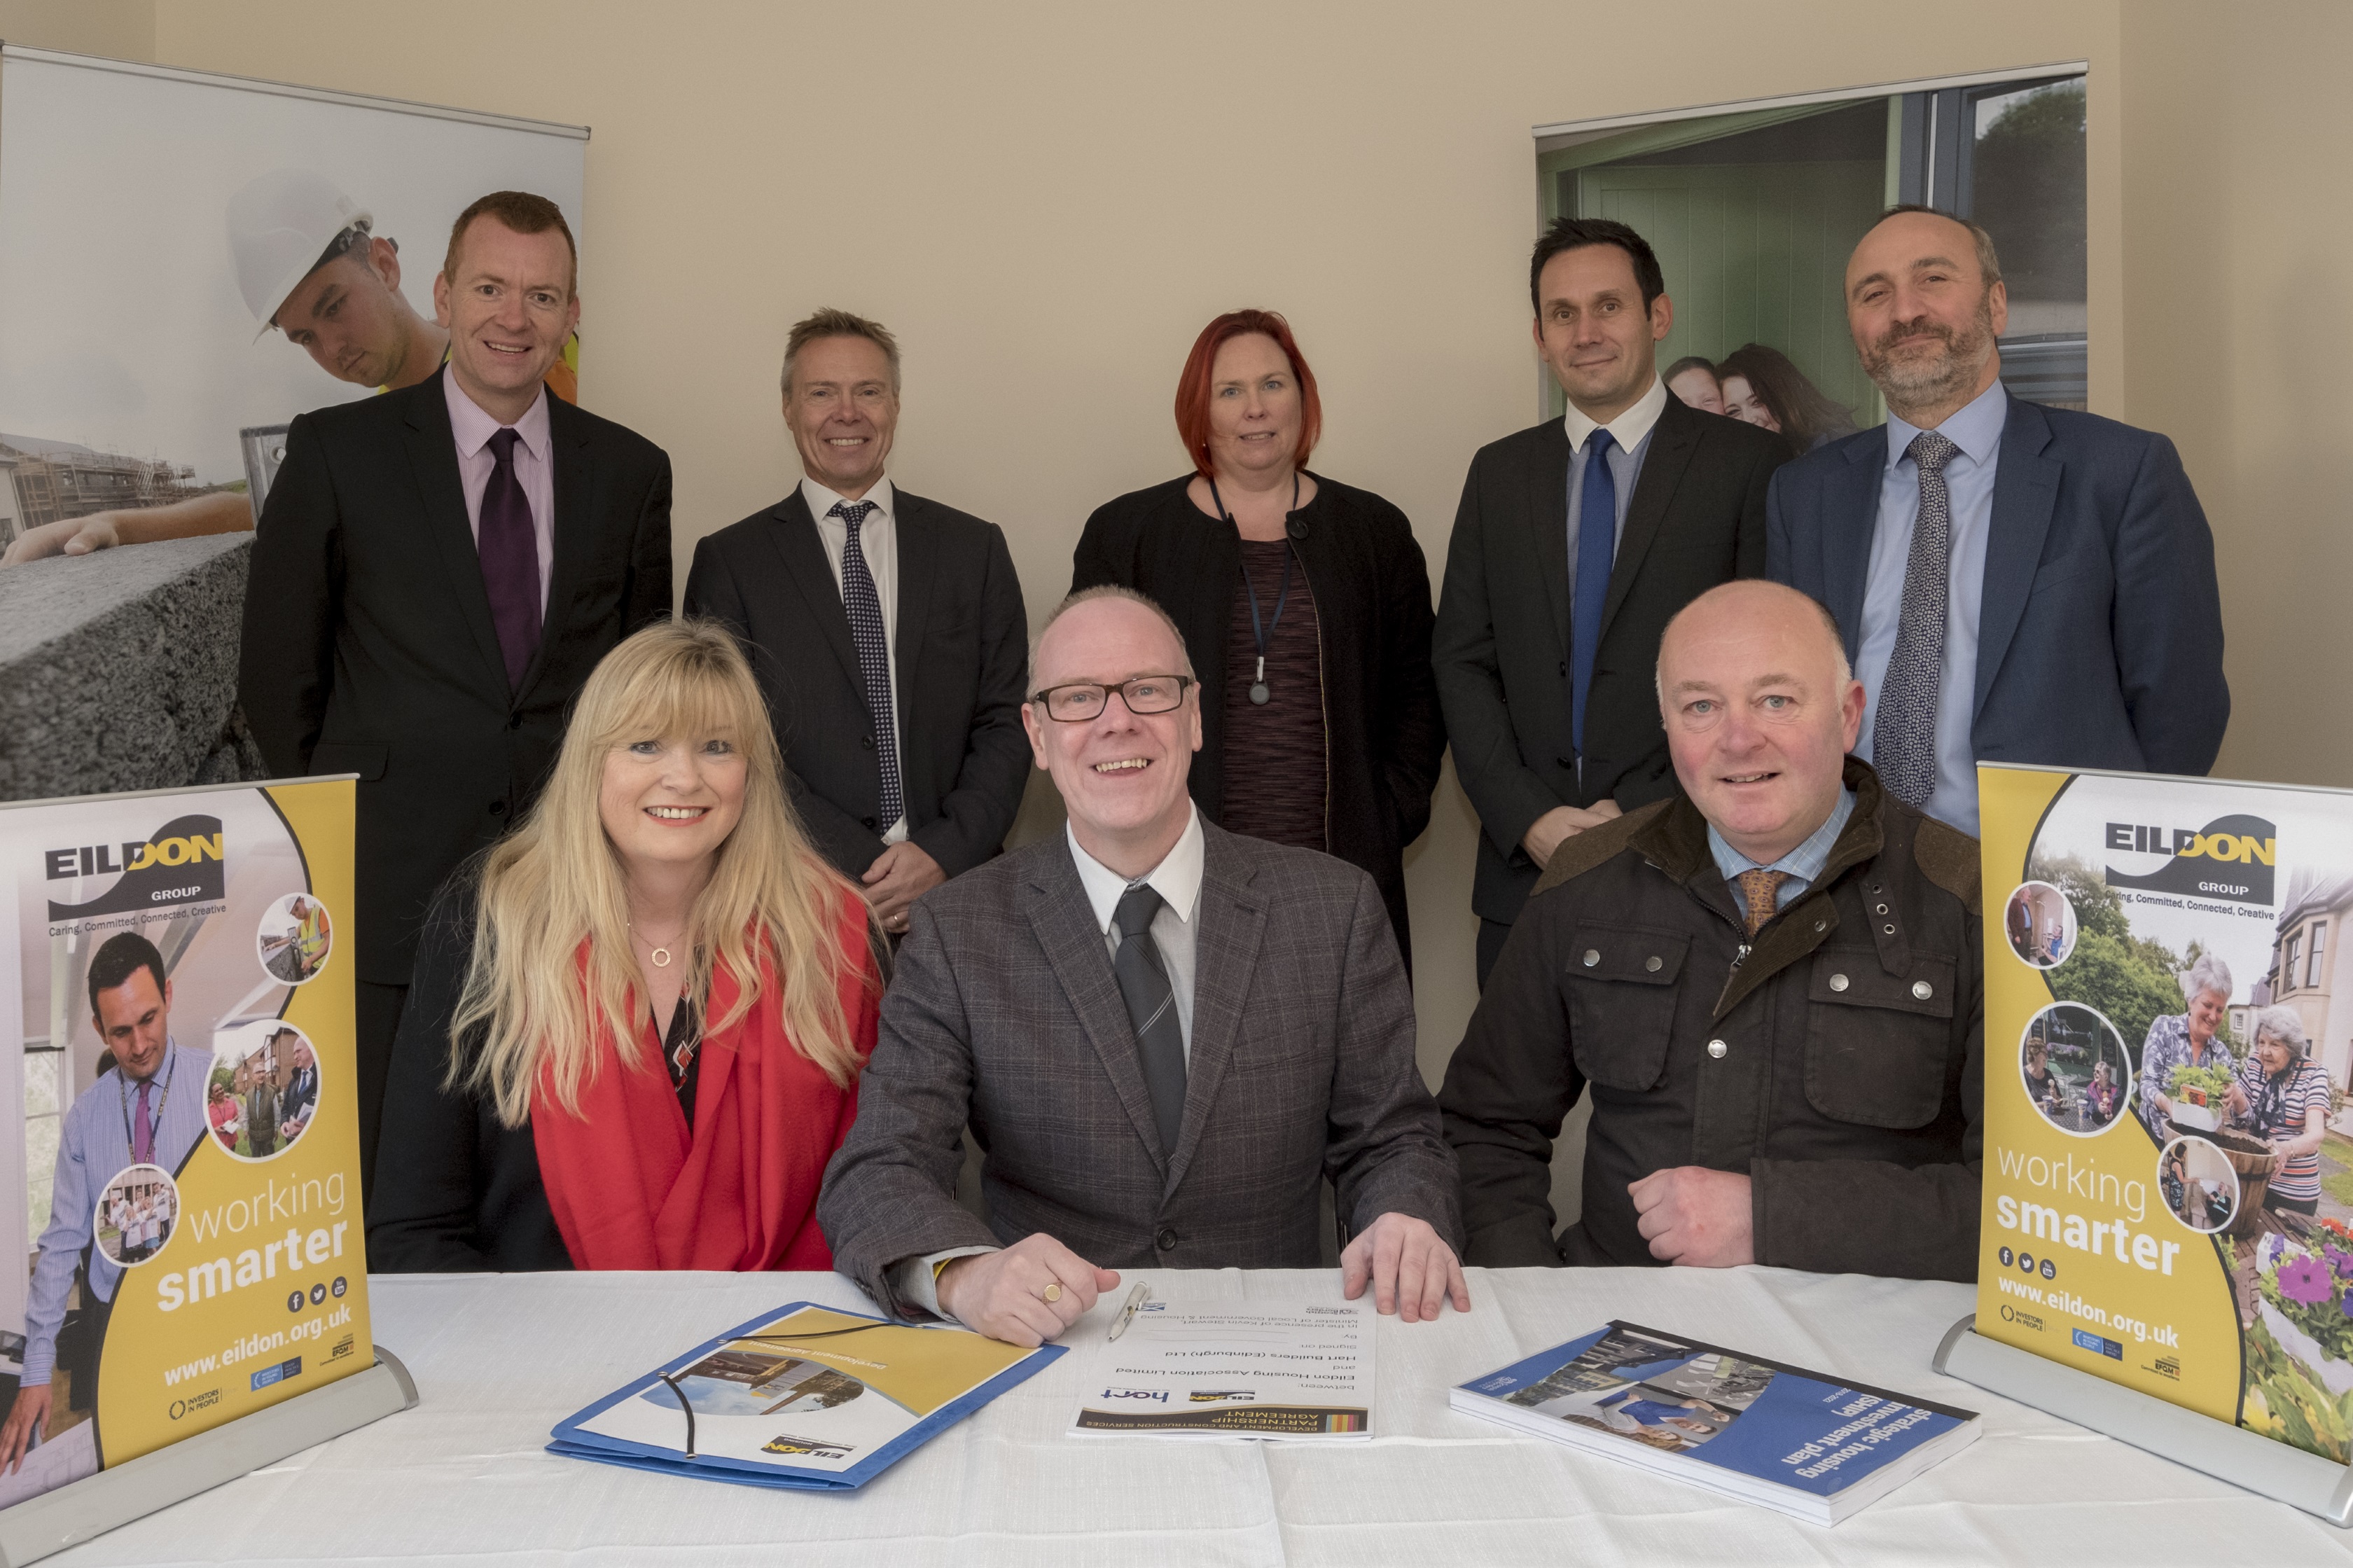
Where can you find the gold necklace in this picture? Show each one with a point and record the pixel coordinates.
(659, 955)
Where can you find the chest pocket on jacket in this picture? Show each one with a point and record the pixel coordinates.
(1877, 1044)
(1620, 985)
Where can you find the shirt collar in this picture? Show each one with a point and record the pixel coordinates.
(1805, 862)
(1975, 428)
(1177, 878)
(474, 426)
(822, 500)
(1629, 429)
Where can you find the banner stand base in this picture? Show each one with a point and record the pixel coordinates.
(2241, 1457)
(73, 1513)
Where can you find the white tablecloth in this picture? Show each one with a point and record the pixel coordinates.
(499, 1359)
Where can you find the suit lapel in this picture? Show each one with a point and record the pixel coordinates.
(578, 504)
(441, 492)
(1549, 516)
(1850, 506)
(1055, 901)
(918, 562)
(1673, 440)
(793, 532)
(2025, 492)
(1229, 926)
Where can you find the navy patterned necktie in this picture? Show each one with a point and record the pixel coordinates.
(509, 548)
(865, 607)
(1904, 730)
(1151, 1001)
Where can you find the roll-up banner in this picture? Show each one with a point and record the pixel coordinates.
(176, 988)
(2169, 1185)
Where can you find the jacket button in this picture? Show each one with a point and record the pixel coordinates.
(1717, 1048)
(1592, 956)
(1565, 761)
(1564, 667)
(515, 721)
(1652, 963)
(1167, 1240)
(1821, 925)
(1923, 990)
(869, 824)
(498, 808)
(1838, 982)
(868, 741)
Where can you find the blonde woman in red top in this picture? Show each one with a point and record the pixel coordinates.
(638, 1022)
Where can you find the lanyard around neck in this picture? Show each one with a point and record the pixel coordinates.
(1261, 631)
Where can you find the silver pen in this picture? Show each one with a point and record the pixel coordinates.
(1136, 1300)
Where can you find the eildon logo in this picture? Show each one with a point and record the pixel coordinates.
(2231, 857)
(179, 863)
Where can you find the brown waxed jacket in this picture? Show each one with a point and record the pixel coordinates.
(1849, 1085)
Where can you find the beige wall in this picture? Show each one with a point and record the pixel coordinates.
(1048, 200)
(122, 29)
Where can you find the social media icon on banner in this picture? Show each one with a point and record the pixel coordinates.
(2007, 1257)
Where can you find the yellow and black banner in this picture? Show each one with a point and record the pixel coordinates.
(178, 975)
(2167, 1191)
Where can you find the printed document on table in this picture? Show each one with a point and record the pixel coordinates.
(1235, 1370)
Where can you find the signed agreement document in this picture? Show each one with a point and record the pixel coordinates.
(1254, 1370)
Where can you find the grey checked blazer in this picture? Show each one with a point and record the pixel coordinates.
(1004, 1012)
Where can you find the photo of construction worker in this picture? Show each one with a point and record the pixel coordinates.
(294, 939)
(312, 269)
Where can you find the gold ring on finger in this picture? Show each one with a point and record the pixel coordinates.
(1052, 1292)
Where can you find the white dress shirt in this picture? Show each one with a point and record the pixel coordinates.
(878, 541)
(473, 426)
(1178, 881)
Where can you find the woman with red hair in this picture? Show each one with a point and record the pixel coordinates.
(1305, 608)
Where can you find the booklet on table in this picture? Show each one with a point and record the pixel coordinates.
(805, 1396)
(1238, 1370)
(1799, 1441)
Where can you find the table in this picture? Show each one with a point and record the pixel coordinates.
(499, 1359)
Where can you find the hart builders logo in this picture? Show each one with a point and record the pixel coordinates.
(2231, 857)
(179, 863)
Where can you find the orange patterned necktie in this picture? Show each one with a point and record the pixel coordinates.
(1758, 895)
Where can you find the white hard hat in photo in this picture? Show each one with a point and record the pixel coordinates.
(278, 226)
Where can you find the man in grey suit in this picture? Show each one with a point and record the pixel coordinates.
(1162, 1036)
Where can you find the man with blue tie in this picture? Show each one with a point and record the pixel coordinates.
(2015, 583)
(886, 631)
(1578, 539)
(149, 1109)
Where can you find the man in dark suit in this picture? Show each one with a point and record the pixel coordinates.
(1163, 1036)
(1578, 539)
(435, 573)
(2015, 583)
(886, 630)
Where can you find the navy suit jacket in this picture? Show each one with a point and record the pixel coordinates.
(2100, 629)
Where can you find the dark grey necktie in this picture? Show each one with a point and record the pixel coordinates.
(864, 605)
(1904, 730)
(1151, 1008)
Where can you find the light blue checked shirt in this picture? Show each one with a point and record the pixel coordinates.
(93, 1147)
(1802, 864)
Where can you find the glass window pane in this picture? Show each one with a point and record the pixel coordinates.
(2027, 187)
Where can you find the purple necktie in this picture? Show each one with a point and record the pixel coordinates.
(143, 1131)
(509, 552)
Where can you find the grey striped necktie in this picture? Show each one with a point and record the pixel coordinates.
(864, 607)
(1904, 730)
(1151, 1008)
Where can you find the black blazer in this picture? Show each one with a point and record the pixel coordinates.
(962, 640)
(369, 648)
(1501, 647)
(464, 1194)
(2100, 621)
(1383, 732)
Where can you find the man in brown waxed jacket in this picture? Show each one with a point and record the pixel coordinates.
(1773, 984)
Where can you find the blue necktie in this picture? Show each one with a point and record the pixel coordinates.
(1597, 542)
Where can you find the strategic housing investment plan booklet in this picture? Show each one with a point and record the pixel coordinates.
(805, 1396)
(1808, 1445)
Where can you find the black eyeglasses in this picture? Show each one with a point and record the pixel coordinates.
(1081, 700)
